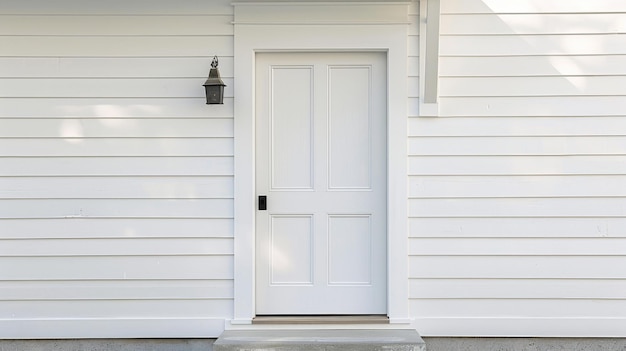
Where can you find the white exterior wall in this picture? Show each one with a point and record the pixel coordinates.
(517, 190)
(116, 180)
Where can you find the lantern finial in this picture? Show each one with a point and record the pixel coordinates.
(214, 86)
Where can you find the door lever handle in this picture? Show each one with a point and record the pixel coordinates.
(262, 202)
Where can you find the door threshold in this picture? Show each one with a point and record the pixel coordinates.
(321, 319)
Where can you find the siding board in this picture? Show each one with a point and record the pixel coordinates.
(503, 227)
(517, 186)
(170, 25)
(532, 6)
(519, 207)
(534, 106)
(532, 45)
(518, 246)
(525, 66)
(112, 67)
(538, 24)
(117, 147)
(116, 46)
(116, 247)
(518, 165)
(91, 227)
(81, 309)
(115, 268)
(518, 267)
(113, 108)
(533, 86)
(217, 187)
(117, 166)
(516, 126)
(552, 145)
(538, 308)
(517, 289)
(112, 208)
(81, 129)
(120, 7)
(108, 88)
(116, 290)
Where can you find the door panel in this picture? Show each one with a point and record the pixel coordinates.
(349, 127)
(291, 128)
(321, 162)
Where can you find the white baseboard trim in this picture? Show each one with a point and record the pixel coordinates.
(522, 327)
(114, 328)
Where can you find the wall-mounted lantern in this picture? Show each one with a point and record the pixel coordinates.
(214, 86)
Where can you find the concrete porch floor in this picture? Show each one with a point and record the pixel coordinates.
(320, 340)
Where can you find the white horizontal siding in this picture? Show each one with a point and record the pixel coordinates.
(531, 186)
(116, 268)
(517, 227)
(516, 126)
(533, 6)
(115, 290)
(149, 147)
(532, 86)
(116, 180)
(124, 187)
(116, 46)
(518, 266)
(518, 165)
(605, 246)
(115, 7)
(119, 246)
(127, 25)
(522, 145)
(110, 127)
(533, 23)
(117, 166)
(173, 208)
(532, 45)
(113, 108)
(519, 207)
(111, 67)
(115, 228)
(530, 66)
(517, 202)
(107, 88)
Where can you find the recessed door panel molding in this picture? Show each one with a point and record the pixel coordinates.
(349, 125)
(291, 250)
(291, 123)
(350, 236)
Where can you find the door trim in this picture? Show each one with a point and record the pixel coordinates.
(263, 37)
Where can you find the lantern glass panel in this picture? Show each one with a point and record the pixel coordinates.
(214, 94)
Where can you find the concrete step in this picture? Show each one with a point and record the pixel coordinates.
(320, 340)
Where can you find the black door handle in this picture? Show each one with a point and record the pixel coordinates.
(262, 202)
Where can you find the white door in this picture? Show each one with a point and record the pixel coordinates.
(321, 164)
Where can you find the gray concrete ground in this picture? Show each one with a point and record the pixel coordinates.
(432, 344)
(525, 344)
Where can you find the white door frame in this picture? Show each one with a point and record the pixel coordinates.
(267, 34)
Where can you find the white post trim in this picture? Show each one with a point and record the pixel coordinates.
(430, 13)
